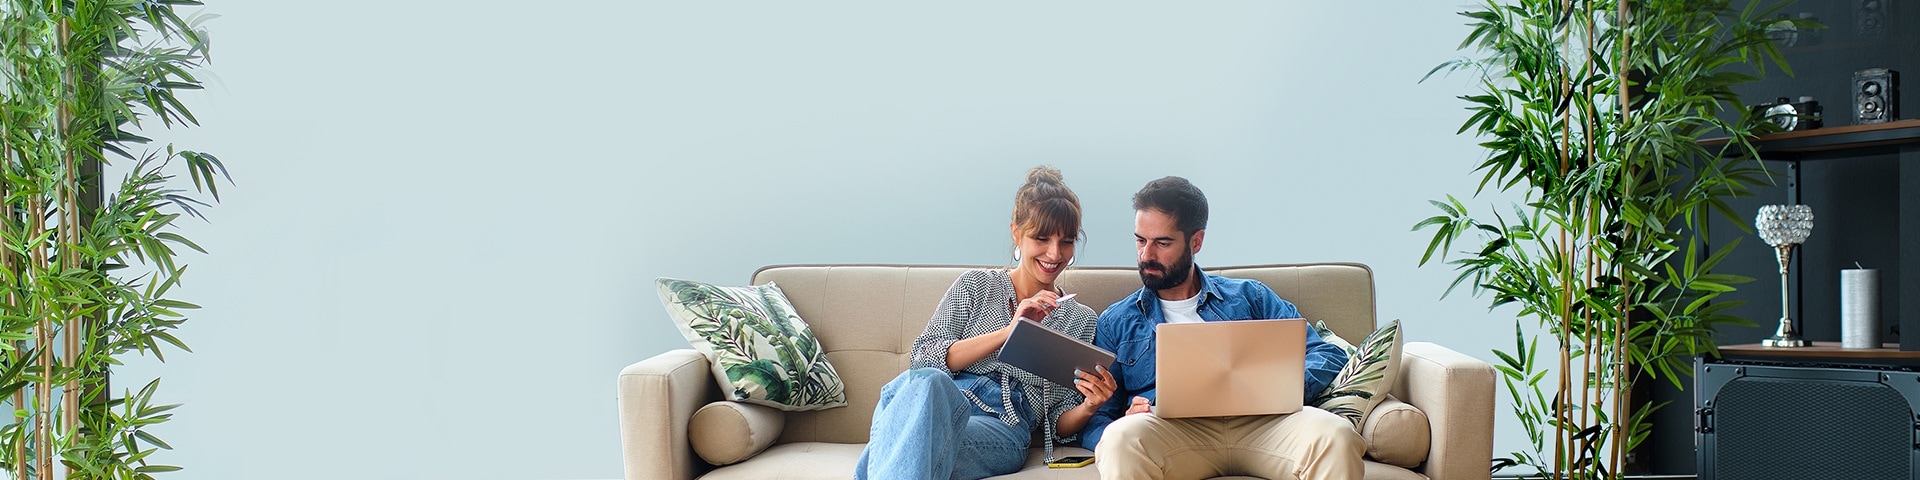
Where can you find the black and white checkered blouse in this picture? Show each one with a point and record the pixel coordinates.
(978, 303)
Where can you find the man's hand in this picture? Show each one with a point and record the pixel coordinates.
(1140, 405)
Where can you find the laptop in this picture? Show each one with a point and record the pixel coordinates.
(1224, 368)
(1050, 354)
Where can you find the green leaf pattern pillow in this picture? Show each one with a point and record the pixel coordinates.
(1369, 374)
(760, 350)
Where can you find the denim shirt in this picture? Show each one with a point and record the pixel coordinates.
(1127, 327)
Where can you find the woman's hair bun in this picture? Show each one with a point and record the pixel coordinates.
(1045, 174)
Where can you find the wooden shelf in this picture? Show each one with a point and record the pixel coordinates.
(1830, 350)
(1831, 138)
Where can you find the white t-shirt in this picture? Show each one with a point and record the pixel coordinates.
(1182, 311)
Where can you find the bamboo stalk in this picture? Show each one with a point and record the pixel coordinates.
(70, 356)
(56, 425)
(19, 448)
(43, 339)
(18, 353)
(19, 402)
(67, 229)
(1591, 262)
(1595, 383)
(11, 263)
(1563, 436)
(1621, 409)
(6, 256)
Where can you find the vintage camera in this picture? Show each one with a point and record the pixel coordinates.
(1870, 18)
(1873, 95)
(1787, 33)
(1791, 115)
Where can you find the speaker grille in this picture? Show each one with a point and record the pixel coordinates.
(1770, 428)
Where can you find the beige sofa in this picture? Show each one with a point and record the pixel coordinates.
(866, 318)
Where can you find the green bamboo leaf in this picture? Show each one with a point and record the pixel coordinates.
(1702, 285)
(175, 304)
(171, 340)
(151, 440)
(1430, 221)
(176, 238)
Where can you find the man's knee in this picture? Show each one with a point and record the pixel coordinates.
(1331, 430)
(1125, 433)
(1131, 448)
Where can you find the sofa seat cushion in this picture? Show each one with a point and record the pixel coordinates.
(795, 461)
(836, 461)
(725, 433)
(1381, 471)
(1397, 433)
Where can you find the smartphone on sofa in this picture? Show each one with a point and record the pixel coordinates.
(1075, 461)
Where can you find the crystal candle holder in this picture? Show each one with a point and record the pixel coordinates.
(1783, 227)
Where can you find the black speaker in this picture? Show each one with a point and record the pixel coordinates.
(1875, 95)
(1772, 421)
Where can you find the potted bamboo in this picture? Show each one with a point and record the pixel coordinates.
(89, 265)
(1591, 112)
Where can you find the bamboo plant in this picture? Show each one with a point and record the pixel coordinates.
(88, 265)
(1592, 112)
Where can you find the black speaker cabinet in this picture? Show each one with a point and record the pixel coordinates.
(1777, 421)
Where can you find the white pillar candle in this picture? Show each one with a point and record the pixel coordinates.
(1859, 308)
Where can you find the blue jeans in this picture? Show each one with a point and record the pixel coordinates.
(924, 428)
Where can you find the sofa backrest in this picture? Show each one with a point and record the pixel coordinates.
(867, 316)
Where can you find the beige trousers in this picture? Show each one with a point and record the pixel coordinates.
(1311, 444)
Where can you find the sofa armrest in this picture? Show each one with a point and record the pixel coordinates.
(657, 399)
(1457, 394)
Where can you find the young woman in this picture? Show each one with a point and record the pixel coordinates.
(960, 413)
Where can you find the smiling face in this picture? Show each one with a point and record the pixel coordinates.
(1044, 253)
(1165, 254)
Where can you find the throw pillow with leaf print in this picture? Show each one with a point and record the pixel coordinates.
(1372, 367)
(760, 350)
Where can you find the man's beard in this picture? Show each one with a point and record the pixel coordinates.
(1174, 275)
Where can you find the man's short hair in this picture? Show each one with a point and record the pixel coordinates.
(1178, 198)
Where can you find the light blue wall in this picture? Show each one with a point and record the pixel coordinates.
(449, 213)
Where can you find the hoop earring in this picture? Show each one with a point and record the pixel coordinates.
(1071, 260)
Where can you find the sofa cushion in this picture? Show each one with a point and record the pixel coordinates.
(1397, 433)
(760, 350)
(796, 461)
(1370, 372)
(725, 433)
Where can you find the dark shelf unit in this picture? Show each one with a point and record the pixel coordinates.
(1901, 138)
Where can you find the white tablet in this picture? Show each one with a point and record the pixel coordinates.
(1049, 354)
